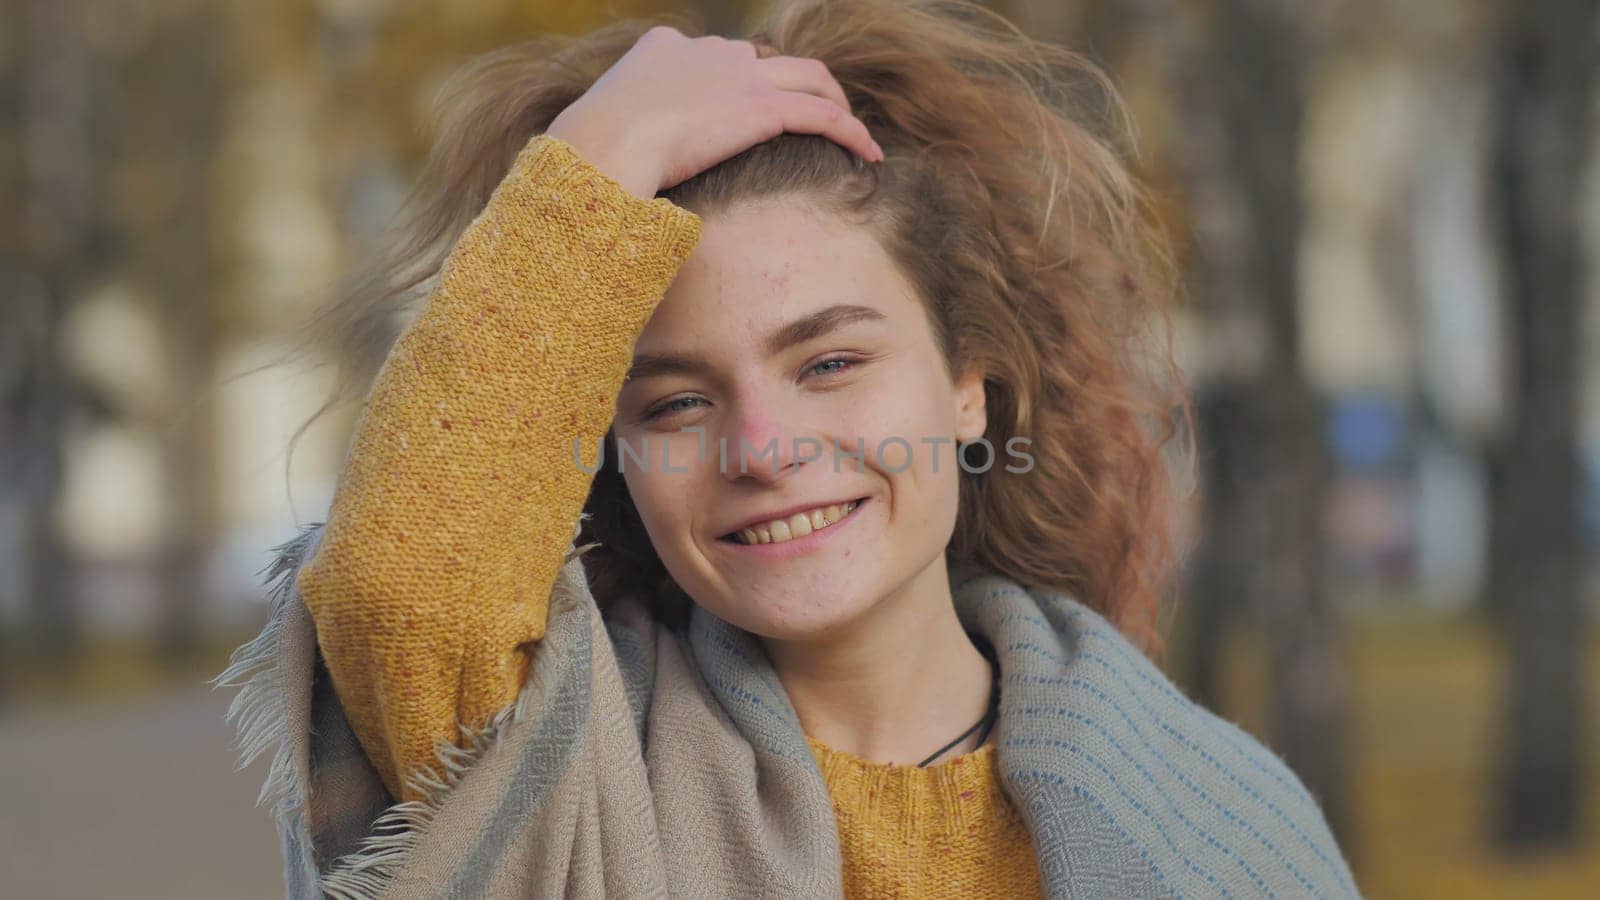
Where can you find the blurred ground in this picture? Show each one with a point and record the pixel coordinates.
(116, 787)
(132, 798)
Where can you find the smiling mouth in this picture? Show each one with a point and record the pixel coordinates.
(778, 531)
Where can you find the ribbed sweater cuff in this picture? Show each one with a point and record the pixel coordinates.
(621, 226)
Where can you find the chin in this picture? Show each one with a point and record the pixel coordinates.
(791, 612)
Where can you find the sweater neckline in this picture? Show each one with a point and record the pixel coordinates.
(980, 755)
(944, 798)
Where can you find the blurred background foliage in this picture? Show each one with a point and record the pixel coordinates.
(1387, 216)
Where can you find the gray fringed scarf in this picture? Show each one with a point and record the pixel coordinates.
(638, 762)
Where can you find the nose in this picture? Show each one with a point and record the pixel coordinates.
(759, 443)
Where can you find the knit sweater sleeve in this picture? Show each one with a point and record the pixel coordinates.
(459, 495)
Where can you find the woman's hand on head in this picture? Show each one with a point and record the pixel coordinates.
(674, 106)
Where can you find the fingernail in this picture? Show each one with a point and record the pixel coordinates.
(878, 150)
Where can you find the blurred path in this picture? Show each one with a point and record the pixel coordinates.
(132, 800)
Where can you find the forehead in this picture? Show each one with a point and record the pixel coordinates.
(760, 265)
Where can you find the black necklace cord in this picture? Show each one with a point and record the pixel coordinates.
(958, 740)
(993, 717)
(988, 720)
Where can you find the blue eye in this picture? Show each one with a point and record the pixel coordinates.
(831, 366)
(669, 407)
(843, 363)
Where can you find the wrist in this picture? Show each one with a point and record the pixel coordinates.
(609, 154)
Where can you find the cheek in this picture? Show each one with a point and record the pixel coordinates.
(662, 501)
(925, 491)
(904, 420)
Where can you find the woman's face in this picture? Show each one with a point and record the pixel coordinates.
(785, 335)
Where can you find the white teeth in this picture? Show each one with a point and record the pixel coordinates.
(797, 525)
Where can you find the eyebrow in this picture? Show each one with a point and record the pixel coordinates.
(806, 328)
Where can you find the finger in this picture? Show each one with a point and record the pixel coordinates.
(808, 114)
(804, 74)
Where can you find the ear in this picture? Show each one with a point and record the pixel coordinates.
(971, 416)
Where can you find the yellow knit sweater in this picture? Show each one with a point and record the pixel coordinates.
(458, 500)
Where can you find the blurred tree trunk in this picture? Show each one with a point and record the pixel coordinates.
(1545, 93)
(1220, 567)
(176, 77)
(1237, 72)
(54, 241)
(14, 288)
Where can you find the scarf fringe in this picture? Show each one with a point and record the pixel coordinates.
(257, 713)
(363, 873)
(257, 709)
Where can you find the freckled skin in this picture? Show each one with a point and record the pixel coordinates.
(757, 267)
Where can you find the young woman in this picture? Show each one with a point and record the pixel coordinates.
(767, 501)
